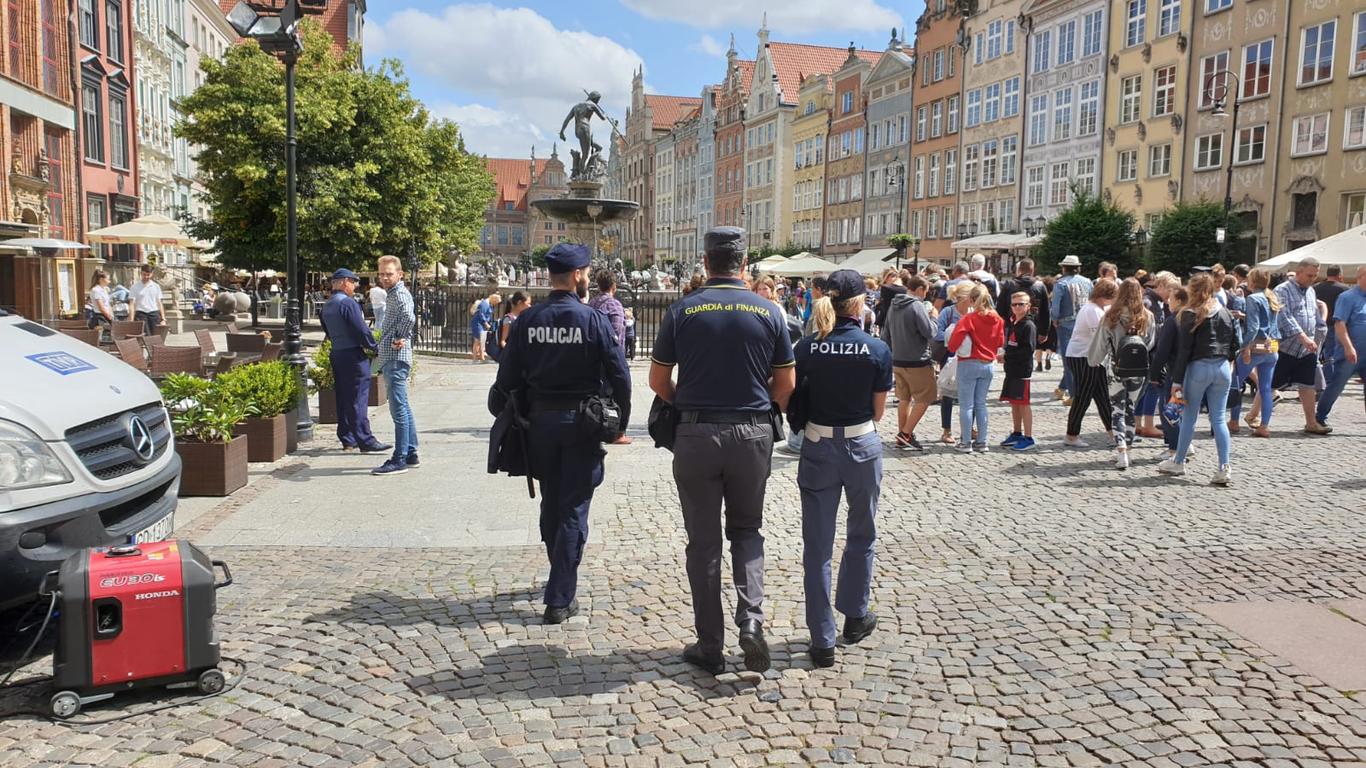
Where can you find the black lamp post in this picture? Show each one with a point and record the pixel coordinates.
(1224, 76)
(915, 250)
(972, 229)
(962, 231)
(278, 35)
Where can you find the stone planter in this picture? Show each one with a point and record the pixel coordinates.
(212, 469)
(267, 438)
(327, 406)
(379, 394)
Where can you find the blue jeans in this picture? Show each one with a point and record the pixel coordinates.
(1265, 366)
(1207, 382)
(974, 380)
(405, 427)
(1065, 336)
(828, 466)
(1342, 373)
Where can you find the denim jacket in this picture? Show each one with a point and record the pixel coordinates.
(1261, 321)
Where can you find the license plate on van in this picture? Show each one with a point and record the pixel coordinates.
(158, 531)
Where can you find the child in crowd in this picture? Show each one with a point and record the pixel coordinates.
(630, 334)
(1021, 338)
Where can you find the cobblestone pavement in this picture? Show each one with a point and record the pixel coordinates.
(1035, 610)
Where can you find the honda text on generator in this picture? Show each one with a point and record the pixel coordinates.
(133, 616)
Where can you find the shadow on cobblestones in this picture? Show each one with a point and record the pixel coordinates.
(389, 609)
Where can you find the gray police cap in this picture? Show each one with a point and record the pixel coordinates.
(724, 240)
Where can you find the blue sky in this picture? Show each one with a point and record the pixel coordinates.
(508, 72)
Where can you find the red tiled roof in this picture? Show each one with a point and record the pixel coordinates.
(667, 110)
(512, 180)
(746, 73)
(793, 61)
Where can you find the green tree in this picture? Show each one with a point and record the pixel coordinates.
(1092, 229)
(1185, 236)
(538, 255)
(375, 173)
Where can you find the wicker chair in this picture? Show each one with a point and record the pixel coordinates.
(151, 341)
(166, 360)
(131, 351)
(90, 336)
(206, 345)
(125, 328)
(226, 360)
(72, 325)
(271, 352)
(249, 343)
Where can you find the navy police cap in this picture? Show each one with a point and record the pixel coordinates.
(345, 274)
(724, 239)
(567, 257)
(844, 284)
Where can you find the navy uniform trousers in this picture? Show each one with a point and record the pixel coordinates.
(828, 466)
(569, 468)
(351, 372)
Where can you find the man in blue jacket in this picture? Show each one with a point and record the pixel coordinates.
(345, 326)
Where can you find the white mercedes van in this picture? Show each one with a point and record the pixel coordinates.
(86, 454)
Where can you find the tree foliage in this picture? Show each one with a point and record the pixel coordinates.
(376, 173)
(1092, 229)
(1185, 236)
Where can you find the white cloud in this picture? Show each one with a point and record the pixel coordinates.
(791, 17)
(710, 46)
(520, 72)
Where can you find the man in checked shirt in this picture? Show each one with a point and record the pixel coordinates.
(396, 362)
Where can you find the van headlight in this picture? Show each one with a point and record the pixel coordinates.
(26, 461)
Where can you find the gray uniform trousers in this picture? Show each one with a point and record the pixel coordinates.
(730, 462)
(828, 467)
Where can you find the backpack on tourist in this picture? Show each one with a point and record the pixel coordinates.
(1130, 359)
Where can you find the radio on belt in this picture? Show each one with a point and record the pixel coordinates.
(133, 616)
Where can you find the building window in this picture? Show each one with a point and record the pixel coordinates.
(1038, 120)
(991, 111)
(953, 114)
(1137, 14)
(1086, 175)
(1130, 98)
(1251, 145)
(1062, 115)
(1089, 109)
(113, 29)
(1257, 69)
(1164, 91)
(847, 102)
(1354, 135)
(1354, 208)
(1092, 33)
(90, 24)
(946, 221)
(95, 218)
(1209, 152)
(937, 119)
(1160, 160)
(1067, 42)
(990, 164)
(970, 168)
(1011, 104)
(1041, 53)
(1034, 184)
(934, 176)
(1304, 210)
(53, 19)
(1057, 190)
(1213, 91)
(1316, 53)
(974, 116)
(932, 224)
(1311, 135)
(118, 131)
(939, 65)
(1217, 5)
(995, 37)
(92, 123)
(950, 171)
(919, 178)
(1010, 147)
(1359, 44)
(55, 194)
(979, 46)
(921, 122)
(1128, 165)
(1169, 18)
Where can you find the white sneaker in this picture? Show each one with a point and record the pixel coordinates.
(963, 448)
(1073, 441)
(1223, 476)
(1121, 459)
(1170, 467)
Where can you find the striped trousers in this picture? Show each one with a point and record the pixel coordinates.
(1090, 384)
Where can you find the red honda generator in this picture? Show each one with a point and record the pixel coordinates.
(134, 616)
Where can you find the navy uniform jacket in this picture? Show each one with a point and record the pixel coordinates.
(345, 324)
(726, 341)
(843, 371)
(562, 349)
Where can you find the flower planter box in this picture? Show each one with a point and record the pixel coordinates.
(267, 439)
(327, 406)
(379, 395)
(212, 469)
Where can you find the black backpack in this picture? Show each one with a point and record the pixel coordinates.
(1130, 359)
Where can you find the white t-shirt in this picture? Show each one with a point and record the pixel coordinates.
(378, 297)
(99, 300)
(1088, 320)
(146, 296)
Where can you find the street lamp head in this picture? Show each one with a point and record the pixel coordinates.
(972, 229)
(242, 17)
(1219, 110)
(962, 230)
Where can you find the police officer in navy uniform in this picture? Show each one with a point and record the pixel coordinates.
(847, 374)
(734, 360)
(344, 323)
(561, 351)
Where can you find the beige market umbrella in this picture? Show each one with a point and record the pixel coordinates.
(152, 229)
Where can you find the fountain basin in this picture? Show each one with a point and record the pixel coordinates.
(575, 209)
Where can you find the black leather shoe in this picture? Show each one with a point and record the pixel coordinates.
(412, 460)
(376, 447)
(555, 615)
(857, 629)
(713, 664)
(823, 657)
(752, 643)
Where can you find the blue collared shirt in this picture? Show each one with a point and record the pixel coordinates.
(399, 320)
(843, 371)
(345, 323)
(1299, 314)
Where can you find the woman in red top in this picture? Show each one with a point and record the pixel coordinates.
(975, 339)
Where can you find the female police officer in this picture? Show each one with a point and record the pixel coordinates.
(846, 374)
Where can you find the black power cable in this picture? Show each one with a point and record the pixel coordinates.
(23, 659)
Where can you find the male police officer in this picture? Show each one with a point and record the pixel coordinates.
(345, 326)
(561, 351)
(734, 360)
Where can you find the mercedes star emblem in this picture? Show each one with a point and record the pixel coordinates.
(140, 440)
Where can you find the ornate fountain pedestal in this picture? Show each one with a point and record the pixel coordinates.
(585, 211)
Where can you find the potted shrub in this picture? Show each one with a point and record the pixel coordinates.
(320, 373)
(379, 395)
(202, 418)
(266, 391)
